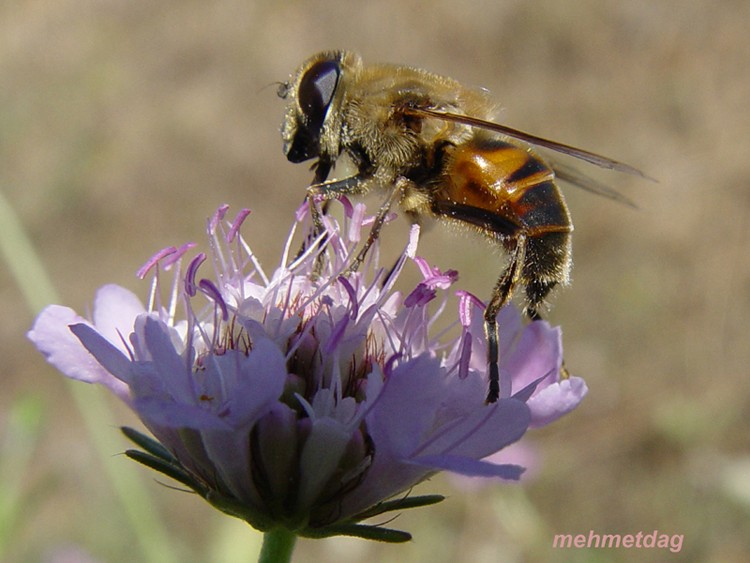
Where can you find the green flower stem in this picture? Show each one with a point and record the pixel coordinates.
(278, 546)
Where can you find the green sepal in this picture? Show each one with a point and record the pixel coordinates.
(377, 533)
(363, 531)
(242, 511)
(400, 504)
(169, 469)
(149, 444)
(158, 458)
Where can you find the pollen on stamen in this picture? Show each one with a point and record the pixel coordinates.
(213, 293)
(301, 212)
(236, 224)
(190, 286)
(356, 222)
(173, 257)
(411, 247)
(217, 217)
(151, 262)
(347, 206)
(466, 304)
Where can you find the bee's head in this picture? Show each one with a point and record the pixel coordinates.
(313, 95)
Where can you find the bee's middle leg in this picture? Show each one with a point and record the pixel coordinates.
(396, 195)
(501, 295)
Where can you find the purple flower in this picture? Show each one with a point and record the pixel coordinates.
(307, 399)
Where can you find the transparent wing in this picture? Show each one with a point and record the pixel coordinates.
(573, 176)
(590, 157)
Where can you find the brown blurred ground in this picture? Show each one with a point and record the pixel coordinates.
(123, 125)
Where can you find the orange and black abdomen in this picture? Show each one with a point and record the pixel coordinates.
(493, 177)
(505, 191)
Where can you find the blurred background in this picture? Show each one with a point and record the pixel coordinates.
(124, 124)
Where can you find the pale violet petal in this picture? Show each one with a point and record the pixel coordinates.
(556, 400)
(405, 409)
(163, 411)
(537, 353)
(470, 467)
(262, 377)
(171, 367)
(53, 338)
(480, 433)
(110, 357)
(115, 310)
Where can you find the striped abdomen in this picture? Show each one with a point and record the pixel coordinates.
(505, 191)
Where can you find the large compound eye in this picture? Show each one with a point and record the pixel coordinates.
(316, 91)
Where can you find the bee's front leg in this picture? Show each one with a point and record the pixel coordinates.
(327, 191)
(322, 168)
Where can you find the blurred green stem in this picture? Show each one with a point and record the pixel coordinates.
(32, 280)
(278, 546)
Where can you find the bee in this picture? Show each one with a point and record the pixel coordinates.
(428, 142)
